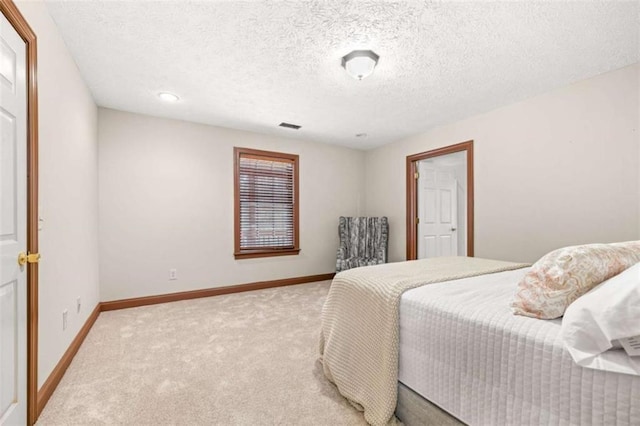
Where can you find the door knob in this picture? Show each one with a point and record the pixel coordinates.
(453, 229)
(24, 258)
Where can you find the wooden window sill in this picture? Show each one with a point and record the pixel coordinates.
(248, 254)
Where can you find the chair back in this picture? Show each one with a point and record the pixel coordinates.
(363, 237)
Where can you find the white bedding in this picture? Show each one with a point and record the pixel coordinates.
(463, 349)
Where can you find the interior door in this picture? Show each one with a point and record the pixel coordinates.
(13, 226)
(437, 211)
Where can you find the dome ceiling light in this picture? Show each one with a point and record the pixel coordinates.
(360, 63)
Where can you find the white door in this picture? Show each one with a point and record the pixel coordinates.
(437, 211)
(13, 226)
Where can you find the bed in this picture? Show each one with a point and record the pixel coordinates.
(462, 349)
(463, 357)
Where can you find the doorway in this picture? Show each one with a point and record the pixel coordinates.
(18, 217)
(440, 202)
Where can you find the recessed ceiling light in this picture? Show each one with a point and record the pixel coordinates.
(168, 97)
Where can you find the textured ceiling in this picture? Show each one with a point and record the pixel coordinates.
(253, 64)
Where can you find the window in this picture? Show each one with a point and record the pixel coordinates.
(266, 203)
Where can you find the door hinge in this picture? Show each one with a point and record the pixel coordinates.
(416, 175)
(417, 220)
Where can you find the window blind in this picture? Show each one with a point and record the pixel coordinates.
(266, 194)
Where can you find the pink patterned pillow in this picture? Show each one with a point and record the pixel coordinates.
(563, 275)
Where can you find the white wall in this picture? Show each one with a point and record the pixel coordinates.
(68, 192)
(166, 201)
(554, 170)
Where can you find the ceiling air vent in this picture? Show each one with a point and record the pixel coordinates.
(289, 125)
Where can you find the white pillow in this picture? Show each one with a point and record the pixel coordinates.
(593, 323)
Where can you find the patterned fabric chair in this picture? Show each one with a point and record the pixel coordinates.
(363, 242)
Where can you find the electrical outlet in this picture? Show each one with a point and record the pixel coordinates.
(173, 274)
(78, 305)
(64, 320)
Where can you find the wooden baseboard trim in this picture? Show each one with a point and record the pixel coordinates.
(54, 378)
(217, 291)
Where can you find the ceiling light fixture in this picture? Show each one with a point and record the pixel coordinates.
(360, 63)
(168, 97)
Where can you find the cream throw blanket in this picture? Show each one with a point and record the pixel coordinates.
(360, 333)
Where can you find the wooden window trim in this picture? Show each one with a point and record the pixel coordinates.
(412, 195)
(252, 253)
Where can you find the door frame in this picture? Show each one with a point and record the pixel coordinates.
(15, 18)
(412, 194)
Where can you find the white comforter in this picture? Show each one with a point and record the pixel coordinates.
(463, 349)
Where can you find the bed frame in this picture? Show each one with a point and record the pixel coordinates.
(414, 410)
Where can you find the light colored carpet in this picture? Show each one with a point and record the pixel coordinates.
(240, 359)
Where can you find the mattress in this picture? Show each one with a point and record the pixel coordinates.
(462, 349)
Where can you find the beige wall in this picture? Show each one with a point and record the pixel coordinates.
(68, 192)
(554, 170)
(166, 201)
